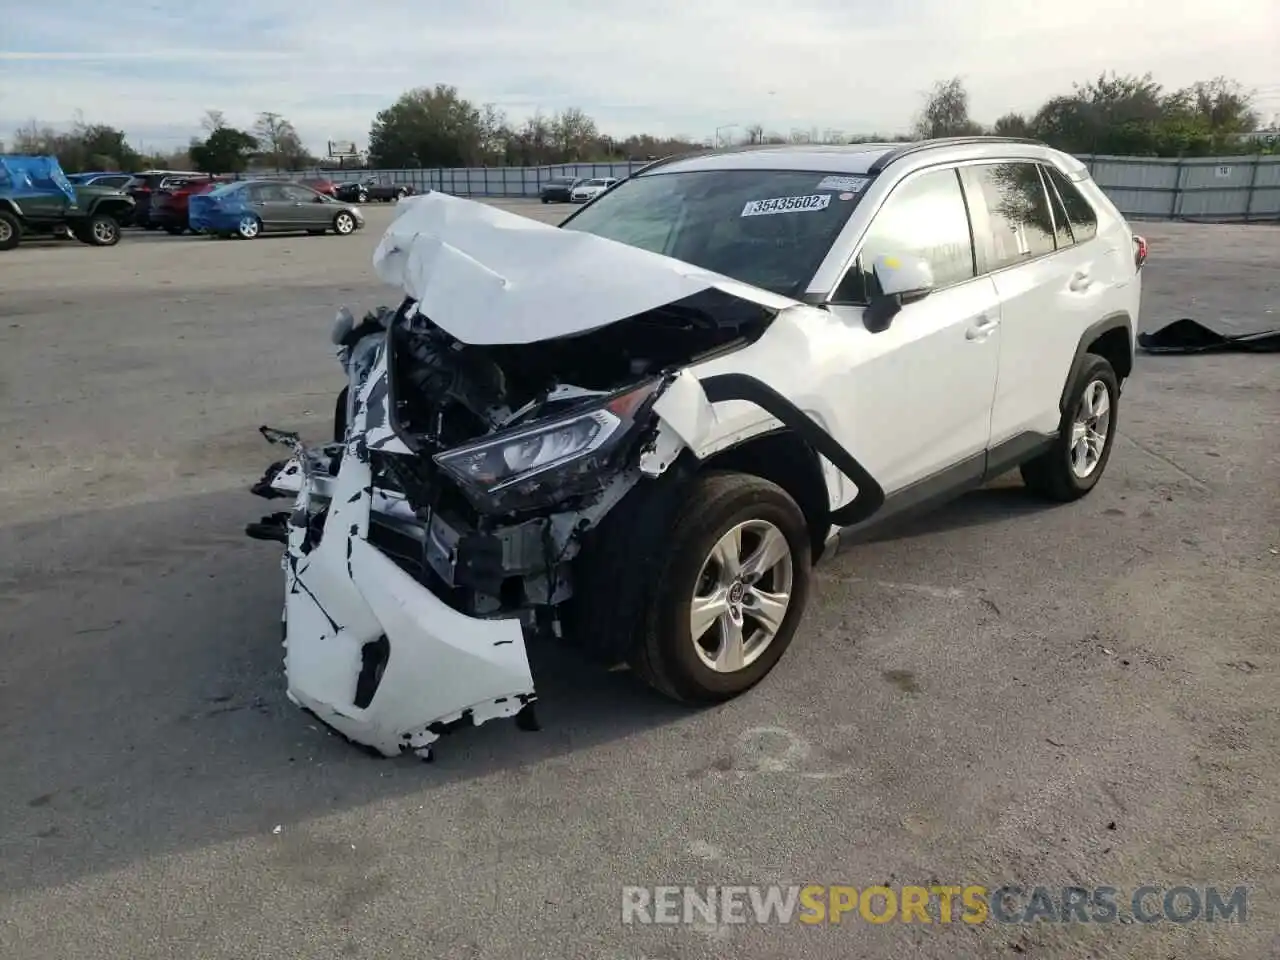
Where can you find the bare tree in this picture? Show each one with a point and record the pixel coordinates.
(573, 133)
(280, 141)
(946, 112)
(213, 120)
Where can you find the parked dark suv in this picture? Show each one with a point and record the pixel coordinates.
(557, 189)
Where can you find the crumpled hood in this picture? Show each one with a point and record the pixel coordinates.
(487, 276)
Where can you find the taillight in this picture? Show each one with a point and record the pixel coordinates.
(1139, 251)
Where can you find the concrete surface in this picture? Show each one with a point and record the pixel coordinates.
(998, 692)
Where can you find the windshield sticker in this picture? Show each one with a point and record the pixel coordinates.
(843, 183)
(760, 208)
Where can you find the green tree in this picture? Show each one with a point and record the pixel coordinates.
(225, 150)
(428, 127)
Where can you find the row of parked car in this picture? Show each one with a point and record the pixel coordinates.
(38, 199)
(163, 200)
(574, 189)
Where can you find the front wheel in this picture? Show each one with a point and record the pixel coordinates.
(343, 224)
(101, 231)
(729, 593)
(1075, 463)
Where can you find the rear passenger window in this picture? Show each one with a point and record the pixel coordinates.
(925, 217)
(1080, 213)
(1017, 210)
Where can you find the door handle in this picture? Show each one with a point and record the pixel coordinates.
(981, 327)
(1080, 280)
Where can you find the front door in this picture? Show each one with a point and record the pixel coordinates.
(920, 392)
(307, 208)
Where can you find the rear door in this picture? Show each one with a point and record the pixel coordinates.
(1047, 287)
(273, 208)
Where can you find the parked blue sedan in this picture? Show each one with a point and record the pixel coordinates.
(249, 208)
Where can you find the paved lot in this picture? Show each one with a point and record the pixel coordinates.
(998, 692)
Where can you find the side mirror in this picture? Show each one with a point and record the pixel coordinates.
(902, 280)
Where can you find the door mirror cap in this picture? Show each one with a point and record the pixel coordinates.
(903, 278)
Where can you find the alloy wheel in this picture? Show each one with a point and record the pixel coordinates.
(741, 597)
(1090, 429)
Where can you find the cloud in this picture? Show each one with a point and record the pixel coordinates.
(663, 67)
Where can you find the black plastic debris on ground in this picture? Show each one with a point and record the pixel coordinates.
(1192, 336)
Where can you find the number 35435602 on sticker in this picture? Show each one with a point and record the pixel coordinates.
(759, 208)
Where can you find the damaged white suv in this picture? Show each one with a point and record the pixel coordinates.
(640, 429)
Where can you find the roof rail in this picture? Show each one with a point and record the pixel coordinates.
(707, 152)
(917, 146)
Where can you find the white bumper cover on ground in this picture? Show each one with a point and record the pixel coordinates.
(443, 667)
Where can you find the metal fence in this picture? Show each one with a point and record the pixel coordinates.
(1224, 189)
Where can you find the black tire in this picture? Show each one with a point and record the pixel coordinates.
(1050, 475)
(545, 200)
(102, 230)
(150, 226)
(175, 231)
(244, 231)
(663, 652)
(10, 230)
(344, 224)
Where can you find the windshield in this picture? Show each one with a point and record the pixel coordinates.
(768, 228)
(226, 188)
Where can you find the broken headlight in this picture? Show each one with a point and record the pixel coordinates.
(548, 461)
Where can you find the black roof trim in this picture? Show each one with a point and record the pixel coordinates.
(918, 146)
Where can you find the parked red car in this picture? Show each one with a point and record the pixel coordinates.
(169, 205)
(321, 185)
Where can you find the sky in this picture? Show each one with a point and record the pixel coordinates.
(661, 66)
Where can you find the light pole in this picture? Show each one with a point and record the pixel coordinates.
(727, 126)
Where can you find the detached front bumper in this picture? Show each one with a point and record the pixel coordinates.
(371, 651)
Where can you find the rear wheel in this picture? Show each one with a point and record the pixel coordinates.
(729, 592)
(174, 231)
(249, 227)
(10, 230)
(1075, 463)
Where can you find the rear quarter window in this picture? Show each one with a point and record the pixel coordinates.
(1080, 213)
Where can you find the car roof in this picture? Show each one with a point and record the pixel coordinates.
(862, 158)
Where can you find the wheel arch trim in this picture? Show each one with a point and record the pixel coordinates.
(739, 386)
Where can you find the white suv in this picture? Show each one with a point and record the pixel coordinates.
(640, 429)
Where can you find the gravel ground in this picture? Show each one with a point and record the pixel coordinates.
(997, 692)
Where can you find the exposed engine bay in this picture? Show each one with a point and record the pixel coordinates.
(490, 462)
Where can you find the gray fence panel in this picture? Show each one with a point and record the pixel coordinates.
(1240, 188)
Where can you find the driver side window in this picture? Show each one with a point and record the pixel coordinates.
(926, 218)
